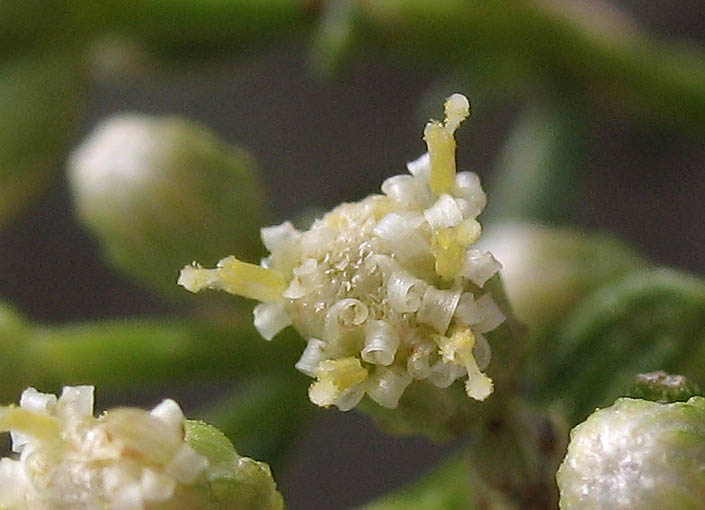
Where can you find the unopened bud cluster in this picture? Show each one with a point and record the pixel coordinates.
(386, 290)
(69, 460)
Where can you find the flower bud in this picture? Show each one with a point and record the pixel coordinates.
(125, 459)
(547, 270)
(634, 455)
(388, 291)
(159, 192)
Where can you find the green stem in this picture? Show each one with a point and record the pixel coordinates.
(198, 28)
(523, 42)
(536, 177)
(132, 353)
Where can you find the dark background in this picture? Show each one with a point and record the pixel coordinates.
(319, 143)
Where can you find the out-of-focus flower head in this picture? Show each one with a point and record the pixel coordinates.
(637, 454)
(386, 290)
(125, 459)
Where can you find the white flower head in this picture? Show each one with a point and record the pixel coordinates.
(70, 460)
(387, 290)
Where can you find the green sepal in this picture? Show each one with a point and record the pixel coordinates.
(234, 482)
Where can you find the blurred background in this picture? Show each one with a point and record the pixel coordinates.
(330, 100)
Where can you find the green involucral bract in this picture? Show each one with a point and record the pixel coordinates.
(634, 455)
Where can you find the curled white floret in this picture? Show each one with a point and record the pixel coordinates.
(420, 167)
(343, 315)
(169, 412)
(408, 191)
(381, 343)
(282, 241)
(467, 187)
(270, 319)
(405, 292)
(444, 213)
(313, 354)
(468, 312)
(492, 315)
(279, 237)
(400, 237)
(482, 351)
(386, 386)
(479, 266)
(437, 308)
(444, 373)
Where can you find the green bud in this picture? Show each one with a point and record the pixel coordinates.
(546, 271)
(637, 455)
(162, 192)
(40, 96)
(236, 482)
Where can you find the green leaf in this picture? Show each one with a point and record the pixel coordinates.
(446, 487)
(648, 320)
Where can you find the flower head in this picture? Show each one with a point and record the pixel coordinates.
(387, 290)
(637, 454)
(127, 458)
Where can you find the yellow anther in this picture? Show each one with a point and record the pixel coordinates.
(335, 376)
(236, 277)
(449, 247)
(37, 425)
(448, 252)
(468, 232)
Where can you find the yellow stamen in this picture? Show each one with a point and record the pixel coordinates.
(236, 277)
(441, 144)
(449, 254)
(441, 147)
(37, 425)
(449, 246)
(335, 376)
(458, 349)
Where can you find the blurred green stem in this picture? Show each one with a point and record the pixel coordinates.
(536, 176)
(265, 415)
(131, 353)
(524, 42)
